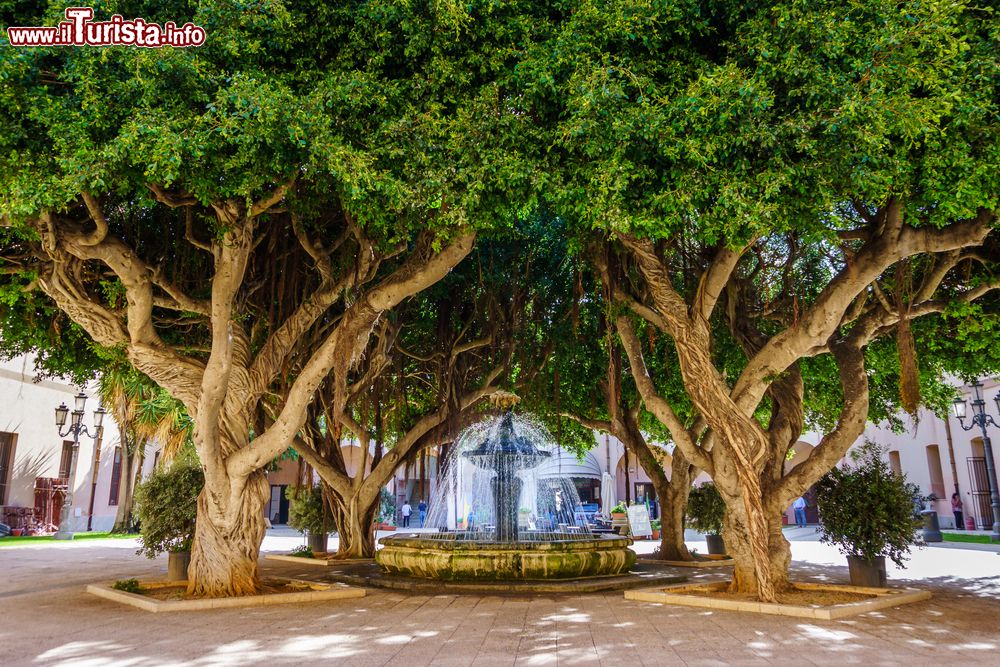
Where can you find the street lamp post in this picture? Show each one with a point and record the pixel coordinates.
(76, 427)
(980, 418)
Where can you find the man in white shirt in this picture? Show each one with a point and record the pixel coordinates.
(800, 511)
(406, 511)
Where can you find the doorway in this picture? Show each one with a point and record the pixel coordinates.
(277, 507)
(645, 495)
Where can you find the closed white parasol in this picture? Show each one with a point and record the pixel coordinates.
(607, 493)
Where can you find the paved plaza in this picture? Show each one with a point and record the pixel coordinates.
(47, 619)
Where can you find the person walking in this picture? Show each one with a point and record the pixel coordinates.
(800, 511)
(406, 511)
(422, 510)
(956, 509)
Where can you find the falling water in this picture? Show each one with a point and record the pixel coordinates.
(509, 449)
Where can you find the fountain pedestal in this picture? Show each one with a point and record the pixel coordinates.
(449, 558)
(506, 491)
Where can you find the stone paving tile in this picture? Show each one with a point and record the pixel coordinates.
(46, 619)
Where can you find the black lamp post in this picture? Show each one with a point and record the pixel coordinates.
(76, 427)
(980, 418)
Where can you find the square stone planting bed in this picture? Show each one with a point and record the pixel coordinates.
(701, 560)
(308, 592)
(322, 561)
(711, 597)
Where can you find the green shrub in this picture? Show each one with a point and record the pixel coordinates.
(387, 508)
(127, 585)
(654, 524)
(620, 508)
(866, 510)
(302, 551)
(305, 510)
(706, 509)
(167, 506)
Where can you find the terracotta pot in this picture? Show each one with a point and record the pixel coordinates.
(317, 543)
(867, 572)
(16, 532)
(715, 544)
(621, 516)
(177, 565)
(656, 534)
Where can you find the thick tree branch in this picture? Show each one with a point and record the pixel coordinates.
(132, 271)
(97, 215)
(232, 255)
(181, 301)
(850, 425)
(592, 424)
(826, 314)
(341, 348)
(670, 306)
(340, 482)
(655, 403)
(942, 265)
(713, 281)
(320, 258)
(171, 200)
(262, 205)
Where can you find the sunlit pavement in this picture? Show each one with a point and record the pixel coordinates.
(46, 618)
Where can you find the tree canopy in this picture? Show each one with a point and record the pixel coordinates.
(759, 215)
(238, 218)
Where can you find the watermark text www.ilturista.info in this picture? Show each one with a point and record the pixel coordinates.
(79, 30)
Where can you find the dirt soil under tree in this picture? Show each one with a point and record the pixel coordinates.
(800, 597)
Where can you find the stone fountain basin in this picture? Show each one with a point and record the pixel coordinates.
(443, 556)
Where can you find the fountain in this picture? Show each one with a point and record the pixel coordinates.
(505, 457)
(496, 520)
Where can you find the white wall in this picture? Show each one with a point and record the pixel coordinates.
(27, 408)
(928, 429)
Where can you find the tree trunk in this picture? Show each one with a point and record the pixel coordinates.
(740, 545)
(673, 505)
(355, 520)
(227, 539)
(125, 478)
(134, 479)
(672, 492)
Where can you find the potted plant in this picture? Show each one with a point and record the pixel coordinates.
(386, 512)
(706, 511)
(619, 512)
(307, 514)
(867, 511)
(655, 527)
(167, 506)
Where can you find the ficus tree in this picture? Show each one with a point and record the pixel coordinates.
(783, 190)
(208, 212)
(585, 383)
(429, 368)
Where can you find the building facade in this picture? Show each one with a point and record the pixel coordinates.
(937, 455)
(943, 458)
(35, 462)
